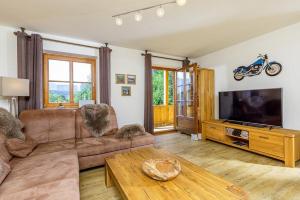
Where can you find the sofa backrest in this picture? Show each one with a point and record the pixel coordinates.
(49, 125)
(83, 132)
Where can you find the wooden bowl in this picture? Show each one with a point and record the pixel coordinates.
(162, 169)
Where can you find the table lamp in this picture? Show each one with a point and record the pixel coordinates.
(14, 87)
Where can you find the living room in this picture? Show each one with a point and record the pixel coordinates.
(219, 119)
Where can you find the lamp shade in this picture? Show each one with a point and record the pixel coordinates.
(14, 87)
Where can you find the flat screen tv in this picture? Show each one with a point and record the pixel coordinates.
(263, 107)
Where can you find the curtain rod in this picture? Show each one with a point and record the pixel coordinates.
(166, 58)
(64, 42)
(88, 46)
(72, 43)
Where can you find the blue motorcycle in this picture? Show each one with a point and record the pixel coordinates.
(271, 68)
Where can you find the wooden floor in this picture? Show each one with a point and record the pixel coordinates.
(263, 178)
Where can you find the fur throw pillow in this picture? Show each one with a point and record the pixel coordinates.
(20, 148)
(96, 118)
(10, 126)
(4, 170)
(131, 130)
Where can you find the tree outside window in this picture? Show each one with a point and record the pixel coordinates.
(159, 87)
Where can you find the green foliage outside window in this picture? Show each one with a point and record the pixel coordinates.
(58, 98)
(85, 93)
(158, 87)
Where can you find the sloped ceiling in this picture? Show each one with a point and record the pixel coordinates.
(196, 29)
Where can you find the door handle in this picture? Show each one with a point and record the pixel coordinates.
(263, 137)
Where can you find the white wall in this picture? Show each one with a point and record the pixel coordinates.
(166, 63)
(8, 55)
(130, 109)
(283, 46)
(123, 61)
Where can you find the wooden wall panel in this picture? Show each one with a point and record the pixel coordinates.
(206, 96)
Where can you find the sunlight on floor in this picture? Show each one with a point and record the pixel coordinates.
(261, 177)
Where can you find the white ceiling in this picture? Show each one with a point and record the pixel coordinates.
(200, 27)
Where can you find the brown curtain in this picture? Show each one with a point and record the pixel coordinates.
(30, 58)
(186, 62)
(148, 109)
(104, 57)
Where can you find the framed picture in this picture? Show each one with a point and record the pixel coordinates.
(126, 91)
(131, 79)
(120, 78)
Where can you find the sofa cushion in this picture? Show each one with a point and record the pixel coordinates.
(56, 146)
(4, 170)
(94, 146)
(130, 131)
(142, 140)
(52, 176)
(4, 154)
(97, 160)
(83, 132)
(49, 125)
(10, 126)
(20, 148)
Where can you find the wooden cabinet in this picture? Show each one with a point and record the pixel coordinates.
(278, 143)
(267, 143)
(214, 132)
(206, 96)
(194, 99)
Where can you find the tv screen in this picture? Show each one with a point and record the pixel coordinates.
(253, 106)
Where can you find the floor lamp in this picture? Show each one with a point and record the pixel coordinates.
(14, 87)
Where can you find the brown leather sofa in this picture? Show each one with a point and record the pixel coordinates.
(65, 146)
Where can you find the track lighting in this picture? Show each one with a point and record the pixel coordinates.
(160, 12)
(138, 17)
(119, 21)
(181, 2)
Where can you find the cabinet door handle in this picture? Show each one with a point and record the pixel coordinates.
(263, 137)
(212, 127)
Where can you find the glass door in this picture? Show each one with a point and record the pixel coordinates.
(189, 86)
(185, 99)
(180, 93)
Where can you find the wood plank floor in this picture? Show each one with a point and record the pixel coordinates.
(263, 178)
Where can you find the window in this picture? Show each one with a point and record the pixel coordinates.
(68, 80)
(163, 86)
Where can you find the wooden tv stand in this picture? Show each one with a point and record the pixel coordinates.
(278, 143)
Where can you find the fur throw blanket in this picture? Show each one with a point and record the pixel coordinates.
(96, 118)
(129, 131)
(10, 126)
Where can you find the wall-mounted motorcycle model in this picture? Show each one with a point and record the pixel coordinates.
(262, 63)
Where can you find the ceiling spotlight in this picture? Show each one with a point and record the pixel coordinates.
(138, 17)
(181, 2)
(160, 12)
(137, 13)
(119, 21)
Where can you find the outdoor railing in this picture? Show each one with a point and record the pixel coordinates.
(163, 115)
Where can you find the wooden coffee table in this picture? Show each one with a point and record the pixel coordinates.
(125, 172)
